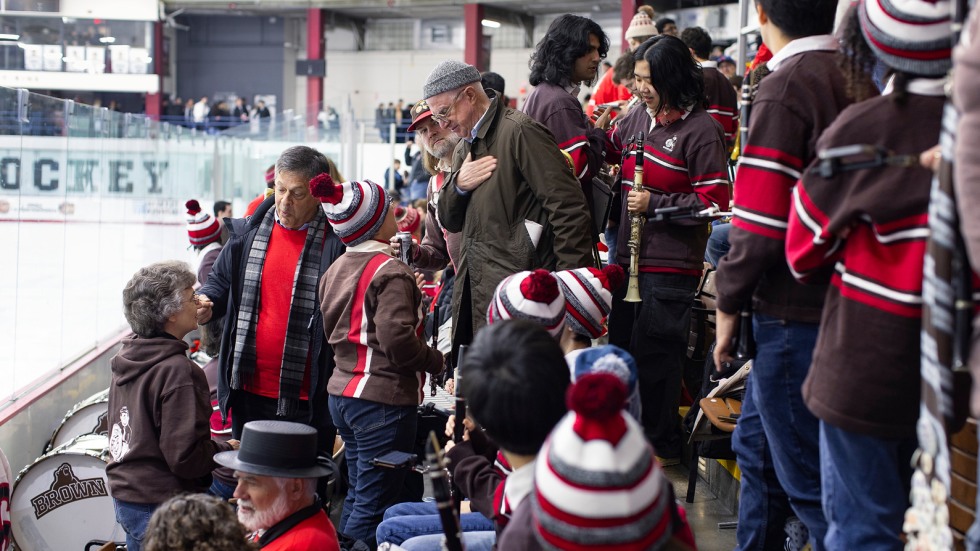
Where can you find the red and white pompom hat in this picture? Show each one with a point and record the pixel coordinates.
(532, 296)
(597, 484)
(588, 297)
(356, 210)
(202, 228)
(913, 36)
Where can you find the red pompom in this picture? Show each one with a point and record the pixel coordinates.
(326, 190)
(615, 277)
(598, 396)
(193, 207)
(540, 286)
(399, 212)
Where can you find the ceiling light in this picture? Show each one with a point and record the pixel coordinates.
(490, 23)
(7, 36)
(107, 39)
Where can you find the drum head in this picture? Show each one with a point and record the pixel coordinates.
(61, 501)
(90, 416)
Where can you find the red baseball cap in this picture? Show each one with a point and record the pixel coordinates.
(420, 112)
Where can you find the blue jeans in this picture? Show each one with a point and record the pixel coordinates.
(418, 190)
(973, 534)
(718, 244)
(369, 430)
(612, 239)
(221, 489)
(762, 504)
(134, 517)
(405, 521)
(866, 484)
(784, 351)
(472, 541)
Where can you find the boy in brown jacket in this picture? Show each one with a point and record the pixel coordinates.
(372, 317)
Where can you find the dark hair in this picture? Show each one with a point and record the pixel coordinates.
(623, 69)
(567, 39)
(736, 81)
(857, 60)
(514, 379)
(220, 206)
(492, 81)
(698, 40)
(663, 22)
(675, 75)
(303, 160)
(799, 18)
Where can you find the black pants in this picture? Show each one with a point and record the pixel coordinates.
(246, 407)
(655, 332)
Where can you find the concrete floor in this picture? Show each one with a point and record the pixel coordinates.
(704, 514)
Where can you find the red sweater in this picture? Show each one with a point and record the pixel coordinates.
(315, 532)
(278, 274)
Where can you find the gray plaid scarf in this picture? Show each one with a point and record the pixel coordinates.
(301, 309)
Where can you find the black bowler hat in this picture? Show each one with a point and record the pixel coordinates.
(277, 448)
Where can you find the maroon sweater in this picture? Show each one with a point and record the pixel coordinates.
(685, 165)
(561, 113)
(722, 100)
(793, 106)
(865, 372)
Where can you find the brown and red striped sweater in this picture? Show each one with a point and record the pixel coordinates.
(372, 317)
(722, 100)
(793, 106)
(685, 165)
(865, 372)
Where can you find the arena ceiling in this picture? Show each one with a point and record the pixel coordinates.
(417, 9)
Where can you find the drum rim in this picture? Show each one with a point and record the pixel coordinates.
(49, 446)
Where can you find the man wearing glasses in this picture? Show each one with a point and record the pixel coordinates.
(529, 212)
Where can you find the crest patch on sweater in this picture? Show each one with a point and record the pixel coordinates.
(670, 143)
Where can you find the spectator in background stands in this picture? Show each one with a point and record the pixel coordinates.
(200, 113)
(722, 100)
(261, 111)
(568, 56)
(222, 209)
(641, 27)
(666, 25)
(418, 179)
(393, 175)
(240, 113)
(188, 112)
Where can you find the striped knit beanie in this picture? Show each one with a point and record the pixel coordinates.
(202, 228)
(588, 297)
(912, 36)
(532, 296)
(407, 219)
(270, 177)
(642, 24)
(597, 484)
(612, 359)
(356, 210)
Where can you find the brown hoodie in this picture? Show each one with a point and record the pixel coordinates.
(159, 442)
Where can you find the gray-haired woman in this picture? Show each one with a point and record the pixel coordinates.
(160, 444)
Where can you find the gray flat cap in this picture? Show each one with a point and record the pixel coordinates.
(449, 75)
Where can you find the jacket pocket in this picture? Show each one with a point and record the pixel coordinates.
(666, 313)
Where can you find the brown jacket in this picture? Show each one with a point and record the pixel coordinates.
(372, 318)
(532, 184)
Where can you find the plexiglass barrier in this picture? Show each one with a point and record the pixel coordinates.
(88, 196)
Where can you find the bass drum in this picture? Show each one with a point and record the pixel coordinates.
(90, 416)
(61, 501)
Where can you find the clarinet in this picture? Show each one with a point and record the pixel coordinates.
(444, 499)
(636, 228)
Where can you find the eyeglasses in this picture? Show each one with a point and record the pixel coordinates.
(443, 117)
(194, 298)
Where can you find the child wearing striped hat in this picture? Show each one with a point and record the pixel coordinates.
(532, 296)
(588, 301)
(597, 484)
(372, 317)
(204, 233)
